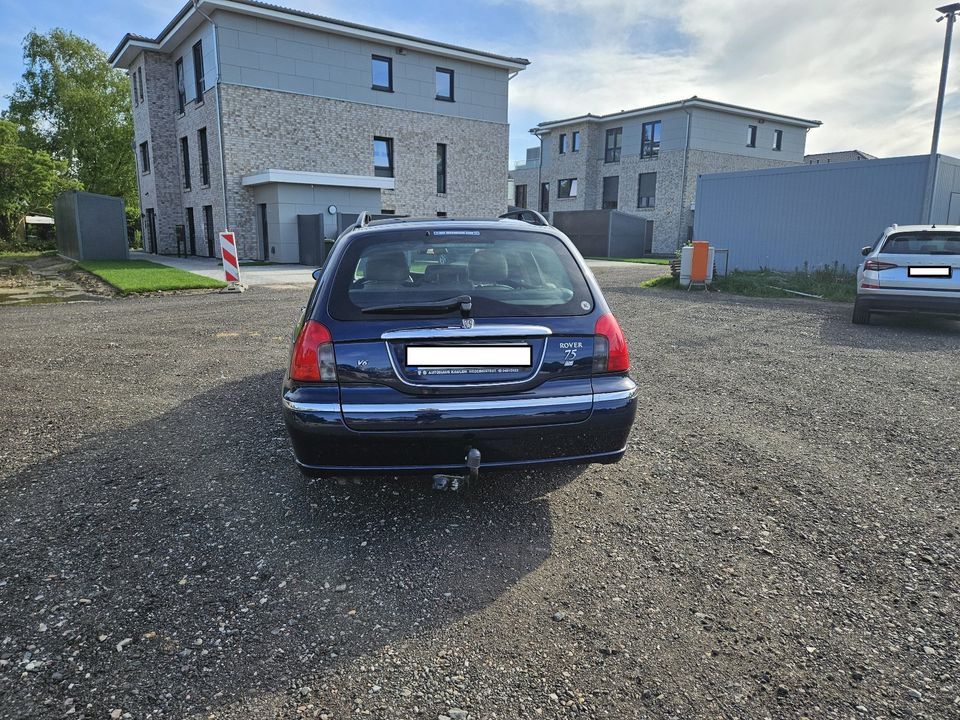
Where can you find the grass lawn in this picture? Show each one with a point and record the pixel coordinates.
(25, 254)
(133, 276)
(643, 261)
(830, 285)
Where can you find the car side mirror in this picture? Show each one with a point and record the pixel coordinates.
(866, 251)
(317, 273)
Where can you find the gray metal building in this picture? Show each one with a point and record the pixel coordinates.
(91, 226)
(821, 215)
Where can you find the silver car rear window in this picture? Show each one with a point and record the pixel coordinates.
(923, 243)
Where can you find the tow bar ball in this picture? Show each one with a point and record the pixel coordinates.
(453, 483)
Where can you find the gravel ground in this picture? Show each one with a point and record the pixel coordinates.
(780, 541)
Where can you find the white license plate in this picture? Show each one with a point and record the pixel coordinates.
(934, 272)
(468, 356)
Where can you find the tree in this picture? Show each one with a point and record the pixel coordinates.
(72, 105)
(29, 180)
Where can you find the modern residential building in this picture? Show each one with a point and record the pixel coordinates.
(837, 156)
(646, 161)
(248, 115)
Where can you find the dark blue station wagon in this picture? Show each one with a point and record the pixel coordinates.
(450, 345)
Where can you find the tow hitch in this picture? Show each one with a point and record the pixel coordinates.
(453, 483)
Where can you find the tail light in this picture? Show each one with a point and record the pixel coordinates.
(878, 265)
(610, 352)
(313, 359)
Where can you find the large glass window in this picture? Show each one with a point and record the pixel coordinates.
(576, 141)
(650, 139)
(198, 78)
(204, 157)
(562, 146)
(441, 168)
(505, 272)
(185, 159)
(181, 87)
(383, 157)
(520, 196)
(778, 139)
(444, 82)
(382, 70)
(751, 135)
(144, 158)
(611, 192)
(567, 188)
(647, 190)
(612, 149)
(544, 197)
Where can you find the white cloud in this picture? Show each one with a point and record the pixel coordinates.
(868, 70)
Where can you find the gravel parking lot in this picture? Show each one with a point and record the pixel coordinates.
(780, 541)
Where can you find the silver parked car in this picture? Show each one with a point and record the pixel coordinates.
(910, 269)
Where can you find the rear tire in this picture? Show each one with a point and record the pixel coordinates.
(861, 314)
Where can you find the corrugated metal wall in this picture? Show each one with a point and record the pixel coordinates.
(816, 215)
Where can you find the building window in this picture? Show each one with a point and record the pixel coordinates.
(576, 141)
(751, 135)
(144, 158)
(185, 158)
(383, 157)
(140, 81)
(151, 245)
(198, 70)
(441, 168)
(520, 196)
(133, 85)
(204, 157)
(647, 190)
(208, 229)
(191, 231)
(563, 144)
(650, 139)
(544, 197)
(778, 140)
(614, 138)
(611, 192)
(441, 213)
(567, 188)
(382, 69)
(181, 87)
(444, 81)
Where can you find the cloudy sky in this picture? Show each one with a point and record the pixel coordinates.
(868, 70)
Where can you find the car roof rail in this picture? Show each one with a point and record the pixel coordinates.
(363, 219)
(530, 216)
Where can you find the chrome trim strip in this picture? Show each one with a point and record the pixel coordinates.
(311, 407)
(477, 331)
(421, 407)
(468, 405)
(618, 395)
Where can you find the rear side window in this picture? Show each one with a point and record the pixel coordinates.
(505, 272)
(925, 243)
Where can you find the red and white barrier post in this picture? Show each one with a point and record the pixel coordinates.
(231, 266)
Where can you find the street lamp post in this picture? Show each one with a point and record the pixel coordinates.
(948, 13)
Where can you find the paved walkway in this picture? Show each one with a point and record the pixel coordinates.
(282, 274)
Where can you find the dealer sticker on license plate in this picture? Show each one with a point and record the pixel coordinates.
(930, 272)
(472, 356)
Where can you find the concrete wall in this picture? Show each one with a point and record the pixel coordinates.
(334, 136)
(816, 215)
(275, 56)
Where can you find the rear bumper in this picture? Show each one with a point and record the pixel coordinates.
(322, 443)
(893, 303)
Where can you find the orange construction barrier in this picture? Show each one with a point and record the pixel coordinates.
(701, 261)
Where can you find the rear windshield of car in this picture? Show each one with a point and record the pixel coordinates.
(925, 243)
(505, 273)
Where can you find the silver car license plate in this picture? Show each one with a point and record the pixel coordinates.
(930, 271)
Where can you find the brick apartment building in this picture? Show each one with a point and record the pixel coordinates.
(646, 161)
(248, 115)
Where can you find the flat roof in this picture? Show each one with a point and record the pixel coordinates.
(191, 16)
(691, 102)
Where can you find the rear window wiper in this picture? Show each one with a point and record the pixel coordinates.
(463, 303)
